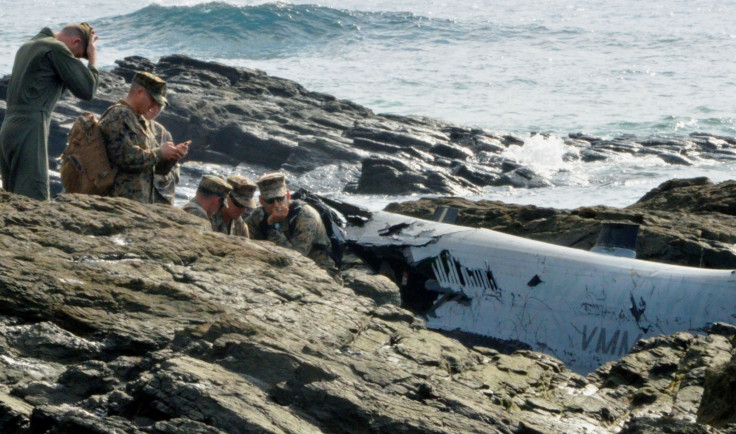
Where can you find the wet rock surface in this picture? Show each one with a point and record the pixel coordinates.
(241, 116)
(122, 317)
(683, 221)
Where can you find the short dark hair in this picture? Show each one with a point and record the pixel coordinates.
(134, 87)
(75, 30)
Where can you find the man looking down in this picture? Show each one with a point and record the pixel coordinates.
(240, 203)
(211, 196)
(44, 68)
(164, 185)
(131, 144)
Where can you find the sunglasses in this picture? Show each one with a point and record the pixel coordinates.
(236, 202)
(273, 200)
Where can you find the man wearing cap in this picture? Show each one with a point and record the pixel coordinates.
(164, 185)
(44, 68)
(292, 224)
(211, 196)
(229, 220)
(132, 145)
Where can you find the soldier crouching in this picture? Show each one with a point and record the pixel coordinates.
(210, 197)
(292, 224)
(240, 203)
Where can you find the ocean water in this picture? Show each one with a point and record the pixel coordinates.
(555, 66)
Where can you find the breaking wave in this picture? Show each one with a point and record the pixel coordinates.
(222, 30)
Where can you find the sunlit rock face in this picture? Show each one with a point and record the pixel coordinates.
(118, 316)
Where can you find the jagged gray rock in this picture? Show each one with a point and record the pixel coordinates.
(121, 317)
(244, 116)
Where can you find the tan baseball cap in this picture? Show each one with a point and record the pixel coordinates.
(243, 190)
(214, 185)
(272, 185)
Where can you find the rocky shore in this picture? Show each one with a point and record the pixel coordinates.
(241, 116)
(121, 317)
(683, 221)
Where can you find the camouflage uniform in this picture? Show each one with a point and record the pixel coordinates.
(303, 232)
(132, 146)
(209, 185)
(236, 227)
(194, 208)
(133, 149)
(164, 186)
(44, 68)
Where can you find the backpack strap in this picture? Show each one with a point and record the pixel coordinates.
(295, 208)
(263, 224)
(109, 108)
(146, 131)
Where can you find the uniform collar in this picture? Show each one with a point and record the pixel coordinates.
(140, 118)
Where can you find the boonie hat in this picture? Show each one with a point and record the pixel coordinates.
(214, 185)
(272, 185)
(243, 190)
(155, 86)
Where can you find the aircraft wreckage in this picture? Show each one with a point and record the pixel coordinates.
(584, 308)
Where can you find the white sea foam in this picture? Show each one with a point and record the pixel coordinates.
(545, 155)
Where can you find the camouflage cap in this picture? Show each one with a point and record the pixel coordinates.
(243, 190)
(272, 185)
(155, 86)
(215, 185)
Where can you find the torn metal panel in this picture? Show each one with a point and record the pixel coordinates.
(582, 307)
(392, 229)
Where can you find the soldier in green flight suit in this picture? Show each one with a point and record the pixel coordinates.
(164, 185)
(44, 68)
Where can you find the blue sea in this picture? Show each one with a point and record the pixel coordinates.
(603, 68)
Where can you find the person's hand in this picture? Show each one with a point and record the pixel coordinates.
(92, 48)
(279, 213)
(183, 148)
(169, 151)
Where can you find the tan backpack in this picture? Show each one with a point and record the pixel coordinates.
(85, 167)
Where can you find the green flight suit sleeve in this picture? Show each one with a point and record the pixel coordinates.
(81, 80)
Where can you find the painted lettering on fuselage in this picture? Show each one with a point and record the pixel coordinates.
(451, 273)
(607, 341)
